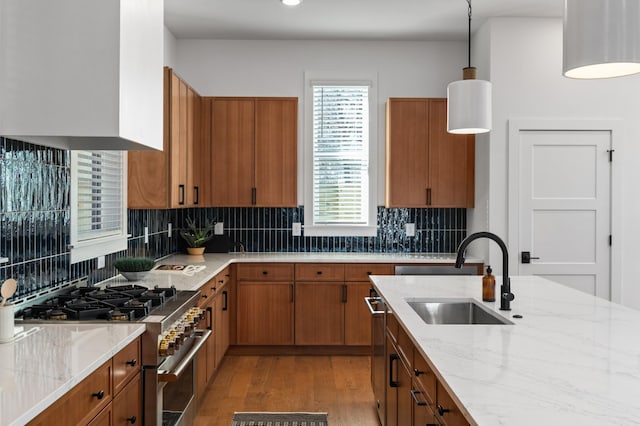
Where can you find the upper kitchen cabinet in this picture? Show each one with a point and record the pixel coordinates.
(81, 74)
(254, 145)
(425, 165)
(172, 178)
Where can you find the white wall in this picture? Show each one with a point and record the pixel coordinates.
(526, 72)
(276, 68)
(170, 48)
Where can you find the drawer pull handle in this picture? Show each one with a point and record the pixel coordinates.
(204, 296)
(368, 272)
(98, 395)
(132, 419)
(265, 272)
(220, 281)
(319, 272)
(133, 362)
(214, 288)
(393, 383)
(442, 410)
(414, 394)
(418, 372)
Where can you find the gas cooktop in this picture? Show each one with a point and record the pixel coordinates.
(115, 303)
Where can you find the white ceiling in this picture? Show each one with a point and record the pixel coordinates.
(342, 19)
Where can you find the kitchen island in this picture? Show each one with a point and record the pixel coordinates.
(572, 359)
(45, 361)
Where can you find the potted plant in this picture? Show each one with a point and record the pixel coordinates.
(197, 237)
(134, 268)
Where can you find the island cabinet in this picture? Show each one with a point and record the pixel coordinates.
(414, 395)
(254, 144)
(110, 395)
(173, 177)
(265, 297)
(425, 165)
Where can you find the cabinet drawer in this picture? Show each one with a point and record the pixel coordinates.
(319, 272)
(83, 402)
(207, 292)
(392, 326)
(221, 279)
(126, 364)
(451, 414)
(361, 271)
(405, 346)
(127, 405)
(265, 272)
(425, 376)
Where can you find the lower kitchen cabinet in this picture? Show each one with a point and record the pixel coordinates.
(319, 313)
(221, 324)
(127, 405)
(265, 313)
(92, 402)
(357, 323)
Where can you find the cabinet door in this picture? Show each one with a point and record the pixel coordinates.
(391, 380)
(265, 313)
(319, 308)
(148, 171)
(407, 153)
(451, 161)
(276, 152)
(450, 413)
(221, 325)
(232, 122)
(405, 401)
(127, 405)
(357, 318)
(178, 146)
(195, 150)
(105, 418)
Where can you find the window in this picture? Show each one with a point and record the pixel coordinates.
(340, 196)
(98, 203)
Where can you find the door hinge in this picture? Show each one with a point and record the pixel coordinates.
(610, 239)
(610, 151)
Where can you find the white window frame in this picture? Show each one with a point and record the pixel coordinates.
(84, 250)
(359, 78)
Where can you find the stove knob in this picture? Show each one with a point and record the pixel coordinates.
(163, 349)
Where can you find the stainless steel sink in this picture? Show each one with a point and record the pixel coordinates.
(455, 311)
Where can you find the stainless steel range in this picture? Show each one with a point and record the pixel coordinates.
(169, 344)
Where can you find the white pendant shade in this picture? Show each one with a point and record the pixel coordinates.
(601, 38)
(469, 106)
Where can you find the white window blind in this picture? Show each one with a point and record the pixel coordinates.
(340, 154)
(98, 200)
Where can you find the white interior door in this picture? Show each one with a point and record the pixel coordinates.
(564, 206)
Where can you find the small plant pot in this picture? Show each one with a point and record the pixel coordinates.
(197, 251)
(134, 276)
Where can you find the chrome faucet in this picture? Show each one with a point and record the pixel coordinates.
(505, 290)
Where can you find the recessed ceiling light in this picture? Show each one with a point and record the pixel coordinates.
(291, 2)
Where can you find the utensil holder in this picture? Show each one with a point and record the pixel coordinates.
(7, 323)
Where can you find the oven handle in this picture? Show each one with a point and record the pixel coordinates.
(370, 301)
(173, 376)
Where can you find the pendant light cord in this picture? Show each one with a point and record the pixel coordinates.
(469, 34)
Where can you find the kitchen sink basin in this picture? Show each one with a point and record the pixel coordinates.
(460, 311)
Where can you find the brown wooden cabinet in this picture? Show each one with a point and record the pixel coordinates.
(221, 323)
(254, 145)
(172, 178)
(357, 319)
(425, 165)
(127, 405)
(92, 400)
(265, 296)
(319, 312)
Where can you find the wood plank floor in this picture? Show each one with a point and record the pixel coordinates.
(338, 385)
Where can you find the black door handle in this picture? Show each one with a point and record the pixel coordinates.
(525, 257)
(393, 383)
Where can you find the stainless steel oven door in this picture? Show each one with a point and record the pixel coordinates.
(176, 379)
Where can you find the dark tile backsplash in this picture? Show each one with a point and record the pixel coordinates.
(35, 225)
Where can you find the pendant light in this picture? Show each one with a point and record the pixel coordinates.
(601, 38)
(469, 100)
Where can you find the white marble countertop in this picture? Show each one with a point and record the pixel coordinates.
(45, 361)
(573, 359)
(215, 262)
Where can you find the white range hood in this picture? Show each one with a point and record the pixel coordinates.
(82, 74)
